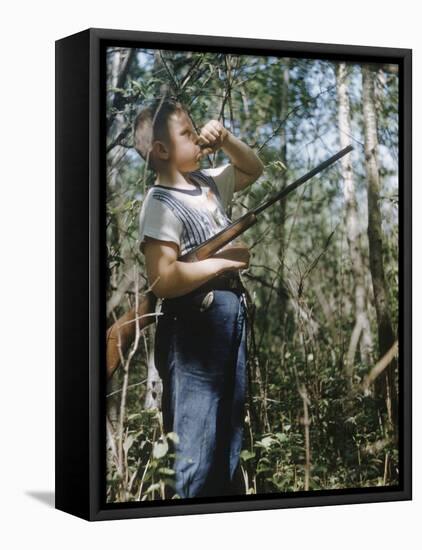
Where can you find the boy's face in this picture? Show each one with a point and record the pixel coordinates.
(184, 148)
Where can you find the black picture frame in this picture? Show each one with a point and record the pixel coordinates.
(80, 260)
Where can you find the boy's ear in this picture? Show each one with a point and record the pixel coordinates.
(160, 150)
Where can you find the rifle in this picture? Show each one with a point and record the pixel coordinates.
(122, 332)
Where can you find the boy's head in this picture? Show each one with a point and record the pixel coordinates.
(163, 133)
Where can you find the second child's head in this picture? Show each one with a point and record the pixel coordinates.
(165, 138)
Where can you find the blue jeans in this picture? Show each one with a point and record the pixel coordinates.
(201, 358)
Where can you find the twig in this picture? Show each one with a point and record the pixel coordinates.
(306, 423)
(129, 387)
(380, 366)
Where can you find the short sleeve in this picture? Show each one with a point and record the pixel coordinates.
(224, 179)
(157, 220)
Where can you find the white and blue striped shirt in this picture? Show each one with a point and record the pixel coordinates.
(188, 217)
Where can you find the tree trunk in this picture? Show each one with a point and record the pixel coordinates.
(353, 230)
(282, 115)
(154, 388)
(385, 384)
(119, 65)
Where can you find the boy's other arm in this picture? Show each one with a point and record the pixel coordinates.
(247, 165)
(178, 278)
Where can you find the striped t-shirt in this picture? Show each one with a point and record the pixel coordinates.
(188, 217)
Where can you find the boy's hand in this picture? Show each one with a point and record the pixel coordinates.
(212, 135)
(238, 253)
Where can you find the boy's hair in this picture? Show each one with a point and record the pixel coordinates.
(150, 124)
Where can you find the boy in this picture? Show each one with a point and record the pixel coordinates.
(200, 344)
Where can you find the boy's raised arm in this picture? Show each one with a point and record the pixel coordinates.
(177, 278)
(248, 166)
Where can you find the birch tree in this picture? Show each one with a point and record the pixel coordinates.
(282, 115)
(362, 330)
(384, 385)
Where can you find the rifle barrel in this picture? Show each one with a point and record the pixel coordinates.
(301, 180)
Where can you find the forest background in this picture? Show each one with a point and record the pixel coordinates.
(323, 279)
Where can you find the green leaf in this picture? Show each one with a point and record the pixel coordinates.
(173, 437)
(166, 471)
(128, 443)
(160, 448)
(153, 487)
(278, 165)
(267, 441)
(133, 416)
(116, 90)
(246, 455)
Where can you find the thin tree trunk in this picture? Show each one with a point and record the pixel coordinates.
(154, 387)
(282, 109)
(385, 384)
(118, 71)
(352, 226)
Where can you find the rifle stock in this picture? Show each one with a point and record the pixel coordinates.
(220, 239)
(123, 331)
